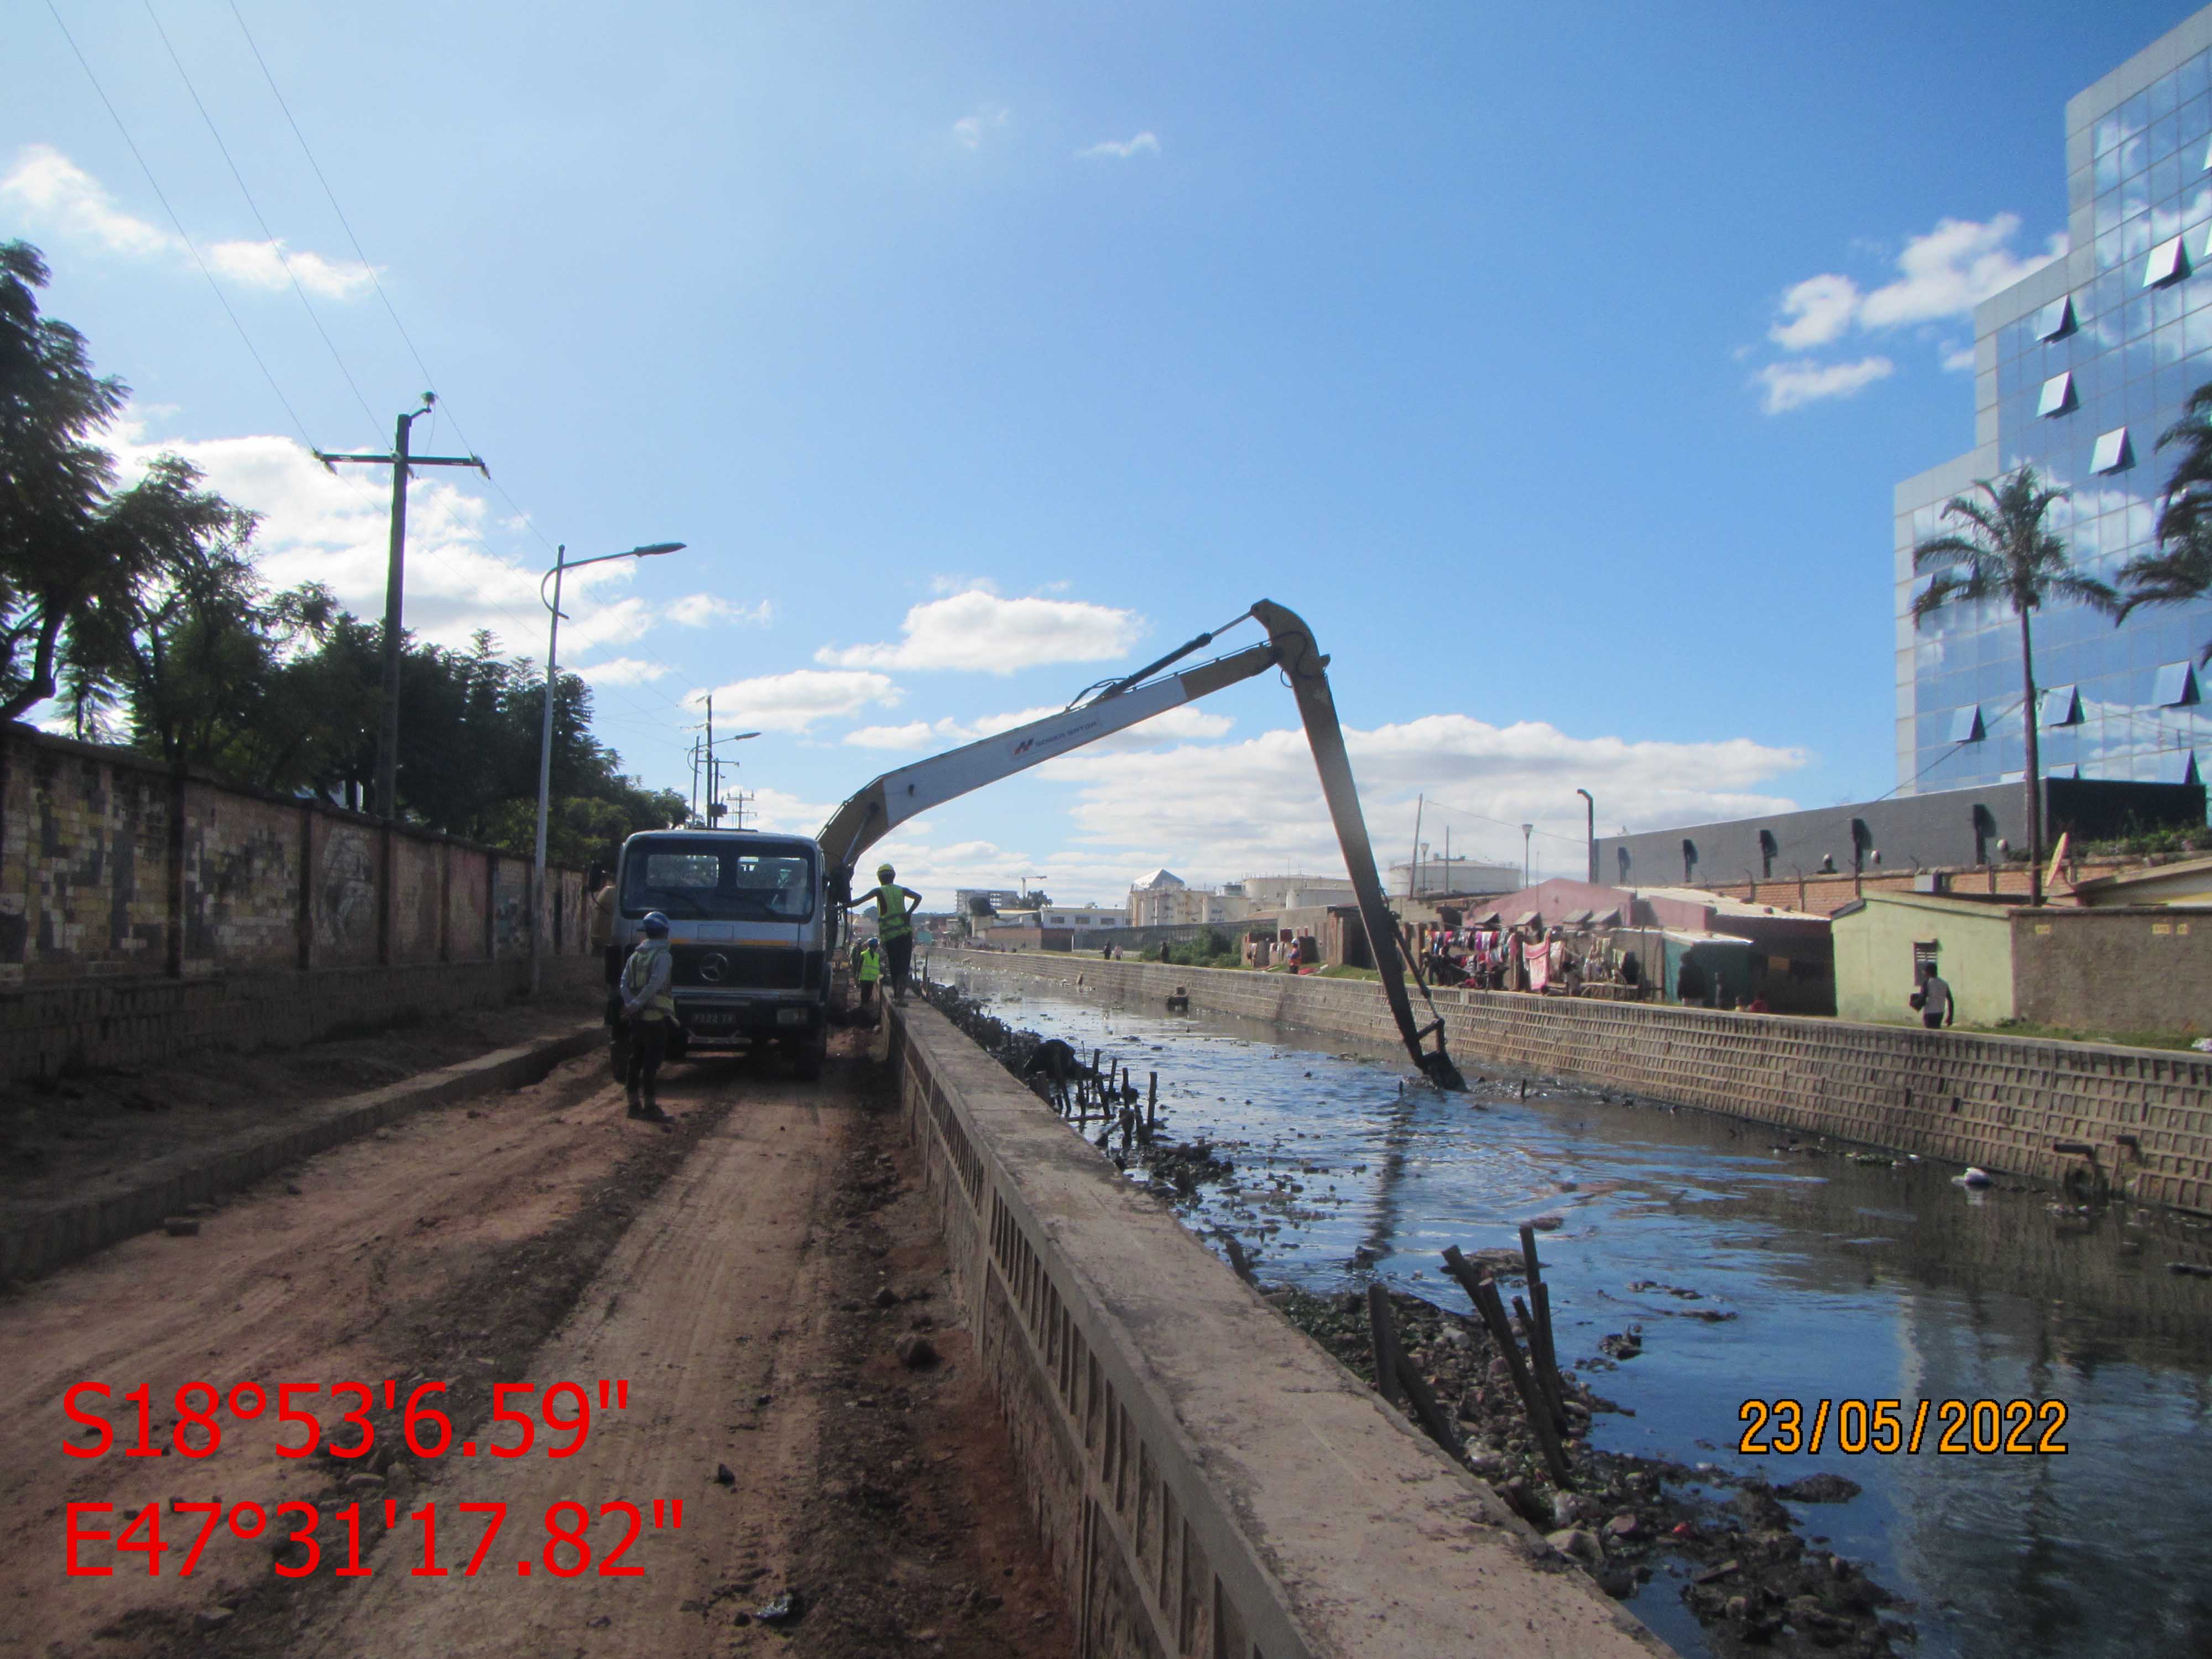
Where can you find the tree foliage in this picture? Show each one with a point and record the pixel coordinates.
(140, 609)
(2004, 549)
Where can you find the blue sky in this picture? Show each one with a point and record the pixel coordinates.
(973, 334)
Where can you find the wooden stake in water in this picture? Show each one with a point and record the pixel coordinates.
(1533, 1404)
(1382, 1341)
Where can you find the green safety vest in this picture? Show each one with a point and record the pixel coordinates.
(892, 921)
(635, 972)
(871, 967)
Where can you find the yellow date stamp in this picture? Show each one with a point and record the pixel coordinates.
(2019, 1428)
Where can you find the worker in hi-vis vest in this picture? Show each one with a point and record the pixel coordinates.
(867, 969)
(894, 924)
(651, 1012)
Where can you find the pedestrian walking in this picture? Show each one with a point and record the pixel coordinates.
(651, 1011)
(894, 924)
(1934, 999)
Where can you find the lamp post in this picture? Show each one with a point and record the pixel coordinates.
(561, 566)
(1589, 831)
(1525, 877)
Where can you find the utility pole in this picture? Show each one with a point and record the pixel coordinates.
(1525, 875)
(399, 460)
(1589, 833)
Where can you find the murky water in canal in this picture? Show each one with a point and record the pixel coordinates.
(1837, 1280)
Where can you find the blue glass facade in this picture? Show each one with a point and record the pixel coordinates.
(2078, 370)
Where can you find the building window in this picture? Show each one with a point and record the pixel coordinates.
(2062, 706)
(2175, 686)
(2057, 320)
(1924, 954)
(2174, 766)
(1966, 725)
(2167, 264)
(2057, 394)
(2112, 453)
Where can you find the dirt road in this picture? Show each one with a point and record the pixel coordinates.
(727, 1273)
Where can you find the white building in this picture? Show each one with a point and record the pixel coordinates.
(1163, 899)
(1270, 896)
(1081, 915)
(1455, 874)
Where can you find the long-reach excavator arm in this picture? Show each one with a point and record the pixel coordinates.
(898, 796)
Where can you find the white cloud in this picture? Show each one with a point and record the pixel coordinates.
(970, 131)
(1121, 149)
(1953, 269)
(705, 610)
(334, 527)
(620, 671)
(1801, 380)
(1945, 273)
(1221, 812)
(1815, 311)
(950, 584)
(984, 634)
(50, 190)
(795, 701)
(263, 265)
(1172, 726)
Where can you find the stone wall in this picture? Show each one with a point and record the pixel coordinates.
(1206, 1482)
(2001, 1103)
(2145, 968)
(121, 881)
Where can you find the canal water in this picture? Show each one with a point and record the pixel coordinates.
(1757, 1269)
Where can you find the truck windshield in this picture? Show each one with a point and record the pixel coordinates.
(748, 881)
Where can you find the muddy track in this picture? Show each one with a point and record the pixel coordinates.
(727, 1271)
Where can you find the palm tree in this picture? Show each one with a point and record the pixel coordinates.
(2003, 549)
(2181, 569)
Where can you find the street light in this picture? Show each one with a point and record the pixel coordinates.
(560, 567)
(1589, 831)
(1525, 877)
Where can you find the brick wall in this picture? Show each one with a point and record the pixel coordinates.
(1997, 1102)
(1206, 1482)
(115, 871)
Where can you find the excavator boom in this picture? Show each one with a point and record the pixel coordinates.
(897, 796)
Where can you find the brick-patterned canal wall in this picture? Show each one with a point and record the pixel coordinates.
(1208, 1483)
(2006, 1103)
(145, 911)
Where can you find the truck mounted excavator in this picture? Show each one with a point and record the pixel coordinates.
(756, 916)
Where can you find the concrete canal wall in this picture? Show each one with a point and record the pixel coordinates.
(1208, 1483)
(2007, 1104)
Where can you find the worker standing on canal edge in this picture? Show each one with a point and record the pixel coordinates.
(650, 1010)
(894, 924)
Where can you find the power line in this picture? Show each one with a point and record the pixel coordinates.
(190, 247)
(276, 246)
(430, 380)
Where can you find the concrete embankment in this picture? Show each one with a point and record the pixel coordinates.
(1205, 1479)
(2137, 1121)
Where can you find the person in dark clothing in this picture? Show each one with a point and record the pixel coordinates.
(1934, 999)
(651, 1011)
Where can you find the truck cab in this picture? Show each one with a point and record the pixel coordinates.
(749, 927)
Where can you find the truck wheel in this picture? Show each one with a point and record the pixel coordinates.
(806, 1059)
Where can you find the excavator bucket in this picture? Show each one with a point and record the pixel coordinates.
(1304, 665)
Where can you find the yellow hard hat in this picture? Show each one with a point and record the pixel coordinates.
(884, 872)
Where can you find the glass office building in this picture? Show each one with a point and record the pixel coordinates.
(2078, 369)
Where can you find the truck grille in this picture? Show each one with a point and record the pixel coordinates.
(745, 968)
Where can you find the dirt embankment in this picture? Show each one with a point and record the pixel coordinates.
(539, 1237)
(57, 1134)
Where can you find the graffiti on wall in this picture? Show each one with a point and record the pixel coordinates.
(345, 890)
